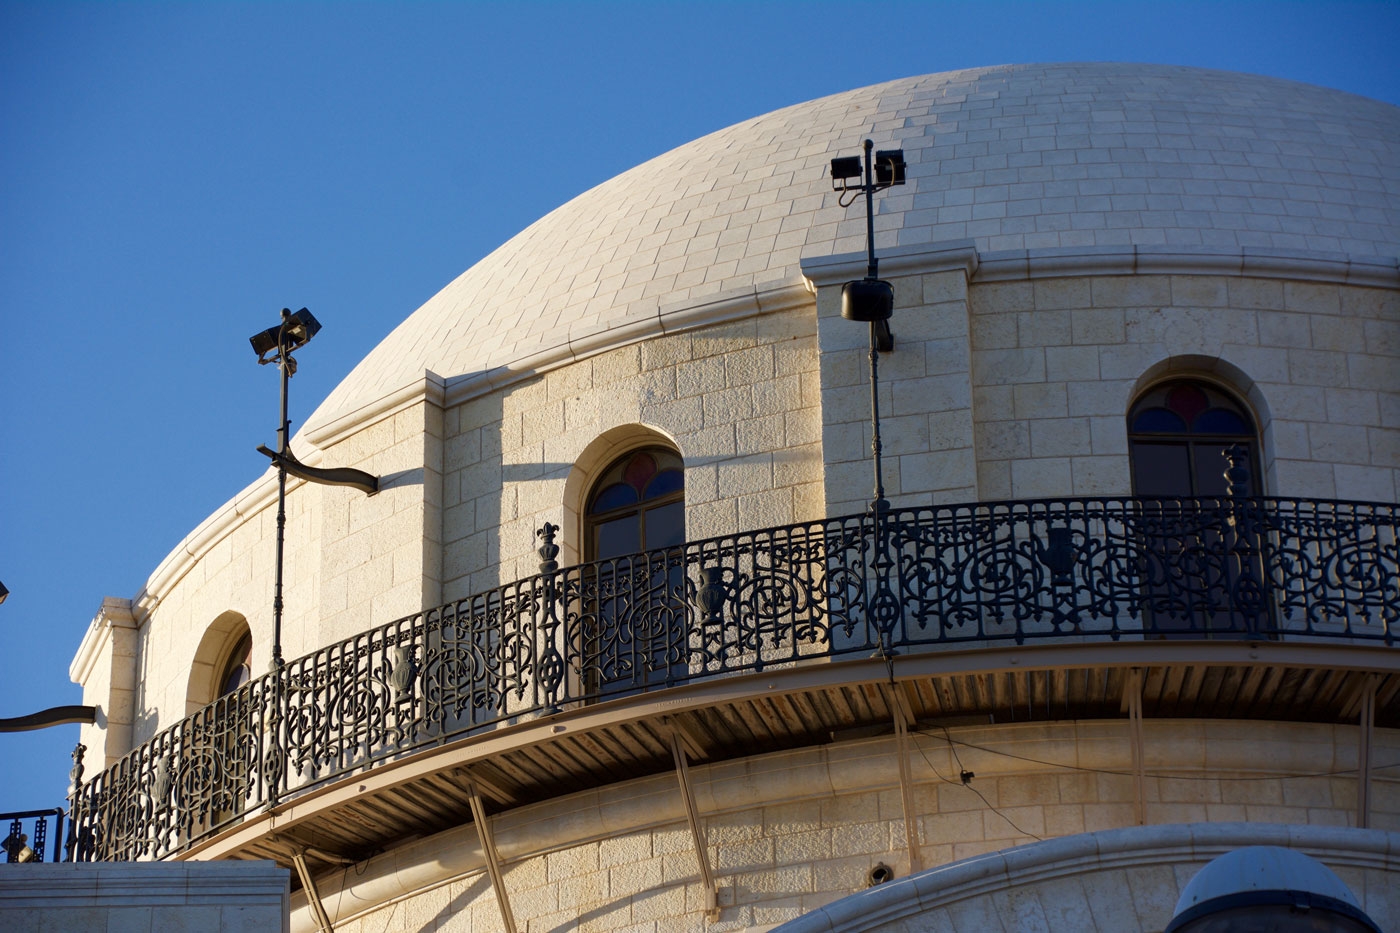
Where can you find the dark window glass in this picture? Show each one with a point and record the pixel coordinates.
(1209, 470)
(1161, 469)
(1158, 421)
(614, 497)
(238, 669)
(1177, 436)
(634, 633)
(665, 525)
(1220, 421)
(617, 537)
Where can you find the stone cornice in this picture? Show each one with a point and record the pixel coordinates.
(1302, 266)
(431, 388)
(1070, 261)
(114, 613)
(925, 258)
(590, 340)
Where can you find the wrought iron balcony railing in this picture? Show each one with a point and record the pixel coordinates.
(927, 578)
(29, 833)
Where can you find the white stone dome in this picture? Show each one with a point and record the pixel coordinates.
(1017, 157)
(1263, 868)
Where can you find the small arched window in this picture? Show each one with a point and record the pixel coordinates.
(634, 631)
(237, 667)
(638, 504)
(1177, 434)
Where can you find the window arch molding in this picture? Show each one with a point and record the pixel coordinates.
(601, 453)
(1225, 376)
(213, 657)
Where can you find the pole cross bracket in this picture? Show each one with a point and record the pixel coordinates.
(366, 483)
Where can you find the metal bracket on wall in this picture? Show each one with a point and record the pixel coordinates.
(697, 831)
(903, 718)
(313, 896)
(1363, 751)
(493, 861)
(1132, 699)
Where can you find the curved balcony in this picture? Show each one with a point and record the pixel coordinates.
(826, 600)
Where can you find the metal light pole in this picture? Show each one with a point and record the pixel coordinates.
(275, 345)
(872, 300)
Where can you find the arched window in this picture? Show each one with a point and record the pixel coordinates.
(1177, 434)
(634, 631)
(222, 662)
(237, 667)
(210, 776)
(638, 504)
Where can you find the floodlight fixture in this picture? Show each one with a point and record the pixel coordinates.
(889, 167)
(295, 332)
(843, 168)
(885, 170)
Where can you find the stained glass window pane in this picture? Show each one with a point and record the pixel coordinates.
(1187, 400)
(1158, 421)
(1220, 421)
(614, 497)
(665, 483)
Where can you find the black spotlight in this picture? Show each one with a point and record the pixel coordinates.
(845, 168)
(867, 300)
(295, 331)
(889, 167)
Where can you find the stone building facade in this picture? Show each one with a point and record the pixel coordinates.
(1078, 250)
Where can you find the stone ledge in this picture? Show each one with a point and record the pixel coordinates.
(1300, 265)
(79, 895)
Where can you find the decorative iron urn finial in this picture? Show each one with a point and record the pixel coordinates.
(548, 550)
(1237, 473)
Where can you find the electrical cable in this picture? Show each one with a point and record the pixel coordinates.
(967, 782)
(952, 743)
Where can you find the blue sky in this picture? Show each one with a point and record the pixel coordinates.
(172, 174)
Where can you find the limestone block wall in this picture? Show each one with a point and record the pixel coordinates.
(926, 405)
(791, 831)
(739, 399)
(1056, 363)
(381, 555)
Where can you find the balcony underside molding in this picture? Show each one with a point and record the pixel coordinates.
(1163, 658)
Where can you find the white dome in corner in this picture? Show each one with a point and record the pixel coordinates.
(1263, 868)
(1248, 876)
(1013, 157)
